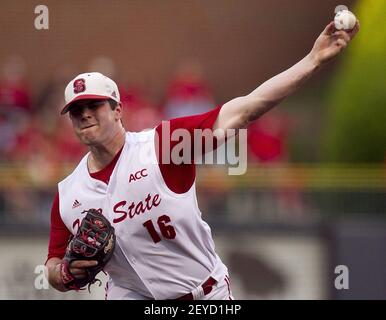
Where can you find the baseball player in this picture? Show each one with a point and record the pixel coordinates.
(164, 249)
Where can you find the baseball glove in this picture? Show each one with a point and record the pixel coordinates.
(94, 240)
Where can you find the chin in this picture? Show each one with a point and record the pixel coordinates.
(88, 140)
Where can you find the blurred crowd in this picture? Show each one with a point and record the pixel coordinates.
(35, 135)
(41, 142)
(32, 130)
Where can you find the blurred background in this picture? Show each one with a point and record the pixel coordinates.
(313, 197)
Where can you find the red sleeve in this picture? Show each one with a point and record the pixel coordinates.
(59, 234)
(180, 178)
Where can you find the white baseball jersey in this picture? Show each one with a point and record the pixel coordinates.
(164, 248)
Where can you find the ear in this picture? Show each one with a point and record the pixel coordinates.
(70, 117)
(118, 111)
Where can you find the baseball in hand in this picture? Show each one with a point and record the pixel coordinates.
(344, 20)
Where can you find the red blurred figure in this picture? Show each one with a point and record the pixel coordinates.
(29, 141)
(188, 92)
(140, 112)
(267, 138)
(15, 103)
(14, 92)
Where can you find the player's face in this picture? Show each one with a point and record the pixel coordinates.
(94, 122)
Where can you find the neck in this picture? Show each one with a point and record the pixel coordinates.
(101, 155)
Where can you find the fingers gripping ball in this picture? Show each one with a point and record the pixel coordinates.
(344, 20)
(94, 240)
